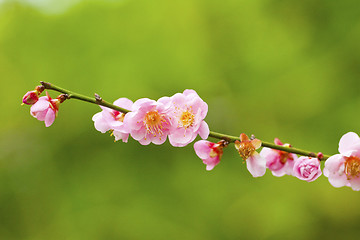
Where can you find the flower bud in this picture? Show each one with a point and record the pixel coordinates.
(32, 97)
(307, 168)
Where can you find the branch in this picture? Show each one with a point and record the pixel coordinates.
(99, 101)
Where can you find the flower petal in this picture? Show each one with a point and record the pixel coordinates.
(202, 148)
(40, 105)
(124, 103)
(347, 141)
(204, 130)
(256, 165)
(49, 118)
(120, 135)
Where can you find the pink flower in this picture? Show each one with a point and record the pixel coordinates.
(307, 168)
(109, 119)
(255, 163)
(189, 111)
(45, 109)
(344, 169)
(209, 152)
(149, 121)
(279, 162)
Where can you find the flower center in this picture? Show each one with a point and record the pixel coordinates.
(154, 122)
(246, 149)
(187, 119)
(285, 156)
(352, 167)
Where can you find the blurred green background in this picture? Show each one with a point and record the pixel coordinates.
(273, 68)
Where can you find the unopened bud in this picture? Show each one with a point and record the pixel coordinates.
(30, 97)
(320, 155)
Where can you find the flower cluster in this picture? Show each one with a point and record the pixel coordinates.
(180, 118)
(279, 162)
(43, 108)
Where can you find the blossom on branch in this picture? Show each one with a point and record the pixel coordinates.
(109, 119)
(45, 109)
(344, 169)
(189, 111)
(149, 121)
(307, 168)
(255, 163)
(210, 152)
(279, 162)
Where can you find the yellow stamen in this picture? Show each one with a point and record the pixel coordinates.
(153, 122)
(352, 167)
(187, 119)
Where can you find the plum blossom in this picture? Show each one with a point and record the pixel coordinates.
(210, 152)
(109, 119)
(189, 111)
(149, 121)
(344, 169)
(255, 163)
(307, 168)
(279, 162)
(45, 109)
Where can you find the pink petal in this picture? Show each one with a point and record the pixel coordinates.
(124, 103)
(133, 121)
(333, 164)
(145, 141)
(138, 134)
(256, 165)
(39, 115)
(158, 140)
(179, 137)
(204, 130)
(120, 135)
(97, 116)
(40, 105)
(101, 125)
(338, 180)
(188, 92)
(202, 149)
(355, 183)
(166, 101)
(49, 118)
(347, 141)
(210, 167)
(143, 103)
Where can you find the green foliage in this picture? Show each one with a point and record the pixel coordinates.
(287, 69)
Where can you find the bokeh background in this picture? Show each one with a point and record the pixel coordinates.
(273, 68)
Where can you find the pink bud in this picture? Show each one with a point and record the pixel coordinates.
(307, 168)
(30, 97)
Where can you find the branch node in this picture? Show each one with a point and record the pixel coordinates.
(98, 98)
(320, 156)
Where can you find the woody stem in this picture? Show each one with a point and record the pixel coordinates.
(99, 101)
